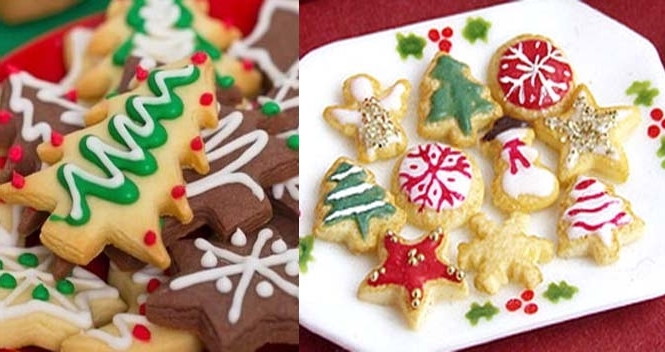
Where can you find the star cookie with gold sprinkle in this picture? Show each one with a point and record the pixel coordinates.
(370, 115)
(502, 253)
(413, 275)
(588, 137)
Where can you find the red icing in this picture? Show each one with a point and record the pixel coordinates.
(142, 309)
(534, 74)
(11, 69)
(399, 272)
(433, 35)
(445, 45)
(513, 304)
(15, 153)
(199, 57)
(590, 197)
(150, 238)
(616, 221)
(141, 73)
(591, 210)
(141, 333)
(72, 95)
(196, 144)
(653, 131)
(585, 184)
(18, 181)
(531, 308)
(527, 295)
(515, 155)
(206, 99)
(153, 284)
(57, 139)
(656, 114)
(662, 124)
(5, 116)
(247, 64)
(447, 32)
(3, 161)
(178, 192)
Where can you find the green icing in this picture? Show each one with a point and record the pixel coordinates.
(225, 81)
(555, 292)
(127, 192)
(487, 311)
(121, 54)
(28, 260)
(359, 206)
(410, 45)
(270, 109)
(41, 293)
(476, 29)
(2, 265)
(645, 93)
(65, 287)
(111, 95)
(457, 96)
(7, 281)
(293, 142)
(661, 151)
(306, 246)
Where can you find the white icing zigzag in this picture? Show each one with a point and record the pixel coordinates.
(291, 186)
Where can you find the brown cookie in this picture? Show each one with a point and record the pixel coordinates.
(284, 197)
(237, 295)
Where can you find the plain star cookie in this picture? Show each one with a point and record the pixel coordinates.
(531, 78)
(502, 253)
(437, 185)
(371, 115)
(413, 275)
(595, 222)
(590, 138)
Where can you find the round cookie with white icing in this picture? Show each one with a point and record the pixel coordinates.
(437, 185)
(531, 77)
(521, 183)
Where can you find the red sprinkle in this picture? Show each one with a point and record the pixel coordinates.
(656, 114)
(72, 95)
(153, 285)
(5, 116)
(247, 64)
(445, 45)
(206, 99)
(653, 131)
(141, 333)
(433, 35)
(196, 144)
(447, 32)
(57, 139)
(11, 69)
(531, 308)
(142, 309)
(199, 57)
(228, 23)
(527, 295)
(18, 181)
(3, 161)
(662, 124)
(15, 153)
(150, 238)
(178, 192)
(513, 304)
(141, 73)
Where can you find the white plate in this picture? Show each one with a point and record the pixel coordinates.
(606, 56)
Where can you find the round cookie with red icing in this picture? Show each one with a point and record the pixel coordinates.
(531, 77)
(437, 185)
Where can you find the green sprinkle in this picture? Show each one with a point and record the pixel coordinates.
(555, 292)
(293, 142)
(643, 91)
(476, 29)
(162, 222)
(410, 45)
(271, 108)
(65, 287)
(306, 247)
(2, 265)
(7, 281)
(487, 311)
(225, 81)
(111, 95)
(28, 260)
(41, 293)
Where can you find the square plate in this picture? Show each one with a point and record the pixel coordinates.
(605, 55)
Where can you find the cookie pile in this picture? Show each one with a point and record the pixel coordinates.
(437, 186)
(170, 148)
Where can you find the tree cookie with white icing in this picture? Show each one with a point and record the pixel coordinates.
(595, 222)
(437, 185)
(521, 183)
(371, 115)
(531, 78)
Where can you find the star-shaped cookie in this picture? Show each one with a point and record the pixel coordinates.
(236, 295)
(589, 137)
(413, 275)
(502, 253)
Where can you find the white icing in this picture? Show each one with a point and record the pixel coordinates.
(278, 246)
(79, 37)
(287, 84)
(238, 238)
(361, 88)
(224, 285)
(291, 186)
(9, 236)
(264, 289)
(292, 269)
(208, 260)
(216, 149)
(244, 265)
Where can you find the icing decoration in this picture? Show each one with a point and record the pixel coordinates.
(654, 130)
(457, 96)
(79, 37)
(9, 236)
(282, 100)
(150, 238)
(476, 312)
(661, 152)
(435, 176)
(534, 74)
(643, 91)
(443, 38)
(476, 29)
(412, 266)
(410, 45)
(136, 139)
(305, 246)
(594, 211)
(293, 142)
(74, 307)
(291, 186)
(65, 287)
(217, 146)
(238, 238)
(514, 304)
(355, 199)
(555, 292)
(244, 265)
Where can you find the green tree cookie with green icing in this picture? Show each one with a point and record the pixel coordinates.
(109, 183)
(454, 105)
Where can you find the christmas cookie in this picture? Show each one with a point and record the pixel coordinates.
(285, 197)
(76, 60)
(413, 275)
(353, 209)
(531, 78)
(502, 253)
(131, 330)
(589, 137)
(453, 105)
(437, 185)
(521, 183)
(595, 222)
(37, 310)
(236, 295)
(371, 115)
(92, 181)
